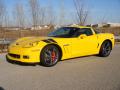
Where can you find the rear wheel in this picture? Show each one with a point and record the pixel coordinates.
(50, 55)
(105, 49)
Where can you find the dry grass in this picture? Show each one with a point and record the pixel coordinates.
(114, 30)
(13, 34)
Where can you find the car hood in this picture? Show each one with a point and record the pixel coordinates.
(29, 40)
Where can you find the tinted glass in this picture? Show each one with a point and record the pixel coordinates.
(69, 32)
(64, 32)
(86, 31)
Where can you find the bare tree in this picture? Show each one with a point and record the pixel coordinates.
(42, 16)
(2, 12)
(50, 13)
(6, 19)
(20, 15)
(35, 7)
(82, 13)
(62, 13)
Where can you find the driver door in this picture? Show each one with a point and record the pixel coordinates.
(86, 45)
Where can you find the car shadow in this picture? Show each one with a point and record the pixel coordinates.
(80, 57)
(35, 64)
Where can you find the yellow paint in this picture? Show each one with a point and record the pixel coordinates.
(71, 47)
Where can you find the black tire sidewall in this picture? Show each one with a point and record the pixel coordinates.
(42, 61)
(101, 49)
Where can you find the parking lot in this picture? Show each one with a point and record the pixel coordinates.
(85, 73)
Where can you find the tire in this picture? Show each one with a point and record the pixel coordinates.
(50, 55)
(105, 49)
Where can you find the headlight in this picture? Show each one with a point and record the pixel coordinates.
(32, 44)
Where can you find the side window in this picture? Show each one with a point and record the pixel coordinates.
(86, 31)
(60, 31)
(74, 32)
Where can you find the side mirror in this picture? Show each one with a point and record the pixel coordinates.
(82, 36)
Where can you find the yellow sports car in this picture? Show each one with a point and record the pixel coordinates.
(63, 43)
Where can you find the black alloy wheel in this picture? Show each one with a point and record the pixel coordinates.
(50, 55)
(105, 49)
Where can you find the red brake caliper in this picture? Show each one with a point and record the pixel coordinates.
(53, 56)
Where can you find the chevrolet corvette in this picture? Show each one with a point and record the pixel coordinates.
(61, 44)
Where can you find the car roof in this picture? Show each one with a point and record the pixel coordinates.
(78, 26)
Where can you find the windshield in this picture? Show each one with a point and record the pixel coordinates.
(64, 32)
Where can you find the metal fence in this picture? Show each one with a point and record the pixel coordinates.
(4, 44)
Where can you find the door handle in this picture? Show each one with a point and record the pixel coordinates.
(66, 45)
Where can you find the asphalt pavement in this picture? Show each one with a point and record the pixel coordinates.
(84, 73)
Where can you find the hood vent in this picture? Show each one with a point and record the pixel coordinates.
(49, 41)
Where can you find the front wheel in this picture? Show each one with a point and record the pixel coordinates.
(105, 49)
(50, 55)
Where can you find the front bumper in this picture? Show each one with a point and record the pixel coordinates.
(24, 55)
(20, 63)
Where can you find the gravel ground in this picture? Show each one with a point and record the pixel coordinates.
(85, 73)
